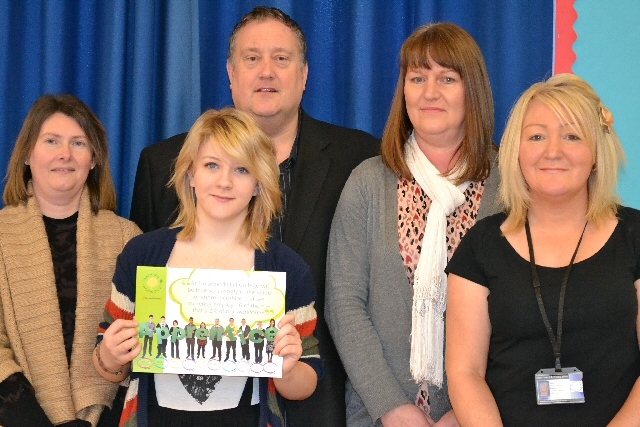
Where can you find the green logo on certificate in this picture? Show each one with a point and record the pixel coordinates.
(152, 283)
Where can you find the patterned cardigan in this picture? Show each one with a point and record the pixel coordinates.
(31, 339)
(154, 249)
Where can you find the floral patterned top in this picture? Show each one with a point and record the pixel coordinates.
(413, 208)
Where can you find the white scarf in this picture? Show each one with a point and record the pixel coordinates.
(430, 281)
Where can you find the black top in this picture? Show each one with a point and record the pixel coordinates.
(287, 168)
(62, 241)
(599, 328)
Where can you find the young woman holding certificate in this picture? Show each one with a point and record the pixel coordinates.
(226, 178)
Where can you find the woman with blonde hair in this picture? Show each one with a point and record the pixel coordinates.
(542, 323)
(399, 219)
(226, 178)
(59, 239)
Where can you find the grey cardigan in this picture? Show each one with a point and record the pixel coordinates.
(368, 299)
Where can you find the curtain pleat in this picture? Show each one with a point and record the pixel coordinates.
(149, 68)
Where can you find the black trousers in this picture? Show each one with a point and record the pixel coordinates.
(217, 346)
(191, 343)
(231, 345)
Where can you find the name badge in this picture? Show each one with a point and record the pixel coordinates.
(559, 387)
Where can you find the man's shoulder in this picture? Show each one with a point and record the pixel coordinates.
(313, 123)
(169, 147)
(346, 137)
(280, 257)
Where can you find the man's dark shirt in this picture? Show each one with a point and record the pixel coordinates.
(287, 168)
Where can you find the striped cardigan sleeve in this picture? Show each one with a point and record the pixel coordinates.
(300, 299)
(147, 249)
(121, 304)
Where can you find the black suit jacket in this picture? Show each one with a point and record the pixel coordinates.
(326, 156)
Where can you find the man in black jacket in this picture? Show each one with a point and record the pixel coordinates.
(268, 70)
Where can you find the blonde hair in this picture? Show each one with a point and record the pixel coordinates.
(102, 191)
(237, 134)
(451, 47)
(574, 101)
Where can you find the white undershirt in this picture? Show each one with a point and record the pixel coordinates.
(226, 394)
(172, 394)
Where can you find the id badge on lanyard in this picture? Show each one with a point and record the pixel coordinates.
(559, 387)
(558, 384)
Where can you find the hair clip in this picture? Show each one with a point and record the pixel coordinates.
(606, 118)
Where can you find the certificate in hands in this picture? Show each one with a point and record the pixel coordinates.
(209, 322)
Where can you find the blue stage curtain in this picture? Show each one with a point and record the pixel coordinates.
(149, 68)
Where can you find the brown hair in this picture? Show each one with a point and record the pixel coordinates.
(238, 135)
(102, 192)
(451, 47)
(263, 13)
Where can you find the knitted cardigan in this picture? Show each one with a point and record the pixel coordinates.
(31, 338)
(154, 249)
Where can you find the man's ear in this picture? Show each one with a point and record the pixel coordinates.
(229, 71)
(305, 74)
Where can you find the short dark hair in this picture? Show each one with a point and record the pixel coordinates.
(102, 191)
(264, 13)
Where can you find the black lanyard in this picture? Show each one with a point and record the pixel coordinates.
(555, 343)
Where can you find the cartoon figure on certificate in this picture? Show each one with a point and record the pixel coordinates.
(202, 342)
(148, 339)
(190, 329)
(175, 348)
(258, 344)
(244, 330)
(217, 332)
(269, 333)
(231, 332)
(162, 332)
